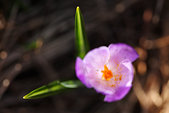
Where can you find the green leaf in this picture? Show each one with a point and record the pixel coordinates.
(81, 42)
(53, 88)
(31, 46)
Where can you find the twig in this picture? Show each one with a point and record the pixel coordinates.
(9, 28)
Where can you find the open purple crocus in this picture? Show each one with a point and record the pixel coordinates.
(108, 70)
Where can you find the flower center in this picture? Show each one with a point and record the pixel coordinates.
(107, 74)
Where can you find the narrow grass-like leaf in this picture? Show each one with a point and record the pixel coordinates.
(81, 42)
(52, 89)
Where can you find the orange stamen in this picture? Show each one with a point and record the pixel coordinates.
(120, 77)
(107, 74)
(113, 85)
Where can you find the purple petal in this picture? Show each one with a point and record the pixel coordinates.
(94, 62)
(97, 58)
(127, 71)
(102, 87)
(118, 95)
(122, 51)
(81, 72)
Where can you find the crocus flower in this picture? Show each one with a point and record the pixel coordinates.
(108, 70)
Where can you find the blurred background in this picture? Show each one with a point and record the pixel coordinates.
(37, 47)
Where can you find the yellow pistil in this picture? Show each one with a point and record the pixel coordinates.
(107, 74)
